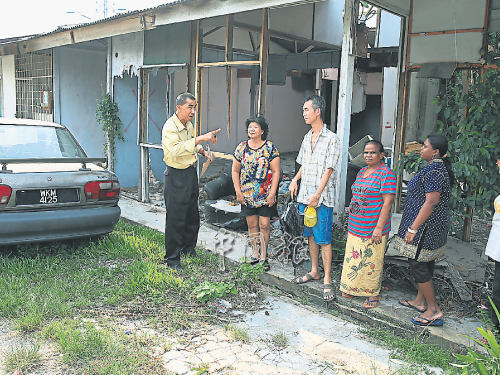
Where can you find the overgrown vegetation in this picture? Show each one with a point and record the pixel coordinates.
(415, 350)
(22, 359)
(477, 363)
(50, 290)
(237, 333)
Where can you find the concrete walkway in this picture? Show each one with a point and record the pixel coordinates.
(389, 313)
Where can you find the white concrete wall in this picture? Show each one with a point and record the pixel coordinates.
(9, 86)
(128, 53)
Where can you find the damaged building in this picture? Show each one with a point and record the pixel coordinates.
(379, 64)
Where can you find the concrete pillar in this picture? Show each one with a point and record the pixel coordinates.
(9, 86)
(345, 98)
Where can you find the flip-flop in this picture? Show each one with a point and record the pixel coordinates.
(405, 303)
(254, 260)
(428, 322)
(366, 303)
(265, 264)
(330, 295)
(345, 295)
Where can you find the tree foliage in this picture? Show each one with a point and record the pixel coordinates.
(470, 121)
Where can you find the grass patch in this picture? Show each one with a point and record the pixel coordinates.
(415, 350)
(101, 349)
(236, 333)
(65, 279)
(21, 359)
(279, 340)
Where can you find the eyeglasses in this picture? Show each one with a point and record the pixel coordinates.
(370, 153)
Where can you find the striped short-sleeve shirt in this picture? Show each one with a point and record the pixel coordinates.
(367, 201)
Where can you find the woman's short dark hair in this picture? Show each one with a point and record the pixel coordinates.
(439, 142)
(377, 143)
(261, 121)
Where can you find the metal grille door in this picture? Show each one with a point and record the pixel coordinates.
(34, 85)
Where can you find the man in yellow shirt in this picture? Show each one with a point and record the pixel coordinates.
(180, 148)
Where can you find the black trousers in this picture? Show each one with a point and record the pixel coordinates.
(496, 295)
(182, 221)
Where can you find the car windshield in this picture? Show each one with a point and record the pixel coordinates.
(26, 142)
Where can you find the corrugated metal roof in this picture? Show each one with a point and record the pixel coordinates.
(76, 26)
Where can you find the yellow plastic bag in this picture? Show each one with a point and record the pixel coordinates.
(310, 218)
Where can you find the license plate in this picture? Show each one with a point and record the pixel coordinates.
(48, 196)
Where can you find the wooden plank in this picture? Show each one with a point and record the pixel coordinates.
(193, 53)
(197, 93)
(142, 135)
(463, 291)
(289, 37)
(229, 70)
(228, 63)
(264, 56)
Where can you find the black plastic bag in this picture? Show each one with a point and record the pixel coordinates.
(292, 226)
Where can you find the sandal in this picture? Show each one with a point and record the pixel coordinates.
(308, 276)
(345, 295)
(368, 301)
(330, 295)
(254, 260)
(265, 264)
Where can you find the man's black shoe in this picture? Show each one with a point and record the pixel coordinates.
(176, 267)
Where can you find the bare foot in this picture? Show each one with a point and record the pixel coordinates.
(420, 305)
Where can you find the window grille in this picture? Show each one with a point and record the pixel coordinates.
(34, 85)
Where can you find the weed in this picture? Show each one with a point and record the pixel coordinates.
(279, 340)
(247, 271)
(304, 301)
(21, 359)
(334, 313)
(209, 291)
(238, 334)
(200, 369)
(483, 364)
(103, 350)
(414, 350)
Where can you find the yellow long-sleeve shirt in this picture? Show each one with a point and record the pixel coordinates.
(178, 142)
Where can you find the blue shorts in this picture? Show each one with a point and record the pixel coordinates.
(322, 231)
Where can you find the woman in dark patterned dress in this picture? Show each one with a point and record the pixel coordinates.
(424, 226)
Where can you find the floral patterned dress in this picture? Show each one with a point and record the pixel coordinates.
(364, 260)
(255, 173)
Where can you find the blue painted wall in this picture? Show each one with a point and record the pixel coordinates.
(79, 82)
(127, 152)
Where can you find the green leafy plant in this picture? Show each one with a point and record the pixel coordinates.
(483, 364)
(247, 271)
(411, 163)
(107, 116)
(209, 291)
(238, 334)
(469, 120)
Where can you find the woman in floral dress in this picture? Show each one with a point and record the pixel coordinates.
(256, 170)
(369, 224)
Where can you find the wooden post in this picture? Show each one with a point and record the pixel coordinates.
(345, 98)
(110, 136)
(229, 69)
(142, 135)
(191, 84)
(264, 55)
(199, 71)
